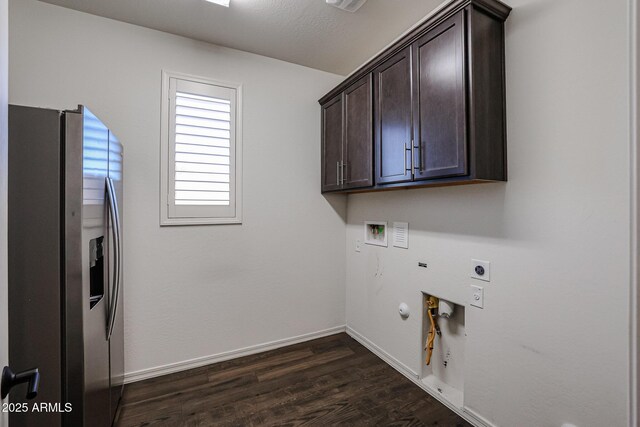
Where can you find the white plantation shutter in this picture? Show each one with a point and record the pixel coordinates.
(203, 171)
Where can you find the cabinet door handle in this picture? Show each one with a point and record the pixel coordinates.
(338, 168)
(406, 148)
(418, 149)
(344, 173)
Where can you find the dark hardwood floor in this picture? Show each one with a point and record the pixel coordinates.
(324, 382)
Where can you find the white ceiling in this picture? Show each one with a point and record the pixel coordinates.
(306, 32)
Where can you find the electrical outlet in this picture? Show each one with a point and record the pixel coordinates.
(358, 245)
(481, 270)
(477, 296)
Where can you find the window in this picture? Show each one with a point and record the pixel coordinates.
(201, 151)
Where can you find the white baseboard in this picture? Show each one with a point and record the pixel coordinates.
(395, 363)
(467, 414)
(478, 419)
(171, 368)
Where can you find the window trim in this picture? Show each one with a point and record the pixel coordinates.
(165, 154)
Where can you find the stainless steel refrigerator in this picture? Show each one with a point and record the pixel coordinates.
(65, 266)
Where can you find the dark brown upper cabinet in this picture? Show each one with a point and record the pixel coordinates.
(439, 101)
(347, 142)
(438, 105)
(393, 119)
(332, 138)
(358, 141)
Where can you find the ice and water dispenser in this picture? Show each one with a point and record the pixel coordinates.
(96, 270)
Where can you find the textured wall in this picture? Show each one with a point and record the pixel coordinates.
(196, 291)
(551, 344)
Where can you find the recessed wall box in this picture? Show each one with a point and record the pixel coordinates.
(375, 233)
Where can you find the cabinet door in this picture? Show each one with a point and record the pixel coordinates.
(393, 128)
(439, 101)
(358, 147)
(332, 135)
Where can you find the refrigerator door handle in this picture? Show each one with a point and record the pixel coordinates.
(119, 276)
(115, 228)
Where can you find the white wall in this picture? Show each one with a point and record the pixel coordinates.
(4, 98)
(634, 19)
(201, 290)
(552, 343)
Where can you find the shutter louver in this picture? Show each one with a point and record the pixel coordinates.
(95, 158)
(202, 150)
